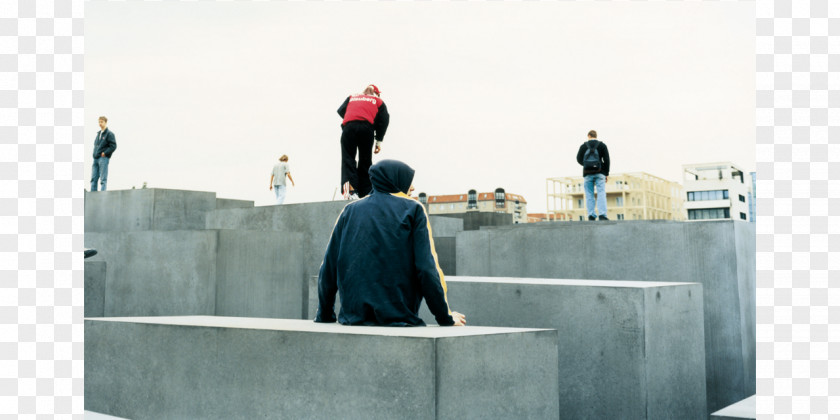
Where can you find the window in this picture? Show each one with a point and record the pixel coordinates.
(708, 195)
(741, 198)
(743, 216)
(581, 218)
(619, 201)
(707, 214)
(472, 202)
(620, 216)
(500, 198)
(580, 203)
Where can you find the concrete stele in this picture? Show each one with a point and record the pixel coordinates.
(222, 367)
(626, 349)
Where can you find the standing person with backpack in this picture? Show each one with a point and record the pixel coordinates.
(594, 156)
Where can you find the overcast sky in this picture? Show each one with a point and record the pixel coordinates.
(207, 95)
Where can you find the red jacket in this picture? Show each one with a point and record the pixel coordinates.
(366, 108)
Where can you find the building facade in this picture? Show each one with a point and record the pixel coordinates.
(497, 201)
(716, 191)
(631, 196)
(752, 198)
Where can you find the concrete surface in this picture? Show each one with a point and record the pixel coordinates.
(259, 275)
(94, 288)
(444, 230)
(718, 254)
(443, 226)
(227, 203)
(744, 409)
(152, 273)
(626, 349)
(146, 209)
(246, 368)
(314, 221)
(474, 220)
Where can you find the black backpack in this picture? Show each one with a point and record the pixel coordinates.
(591, 158)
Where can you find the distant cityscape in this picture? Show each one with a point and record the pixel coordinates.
(709, 191)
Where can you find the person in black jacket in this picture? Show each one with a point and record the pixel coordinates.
(364, 119)
(103, 148)
(381, 258)
(595, 176)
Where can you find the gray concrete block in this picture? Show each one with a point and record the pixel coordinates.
(259, 274)
(625, 349)
(246, 368)
(146, 209)
(94, 288)
(443, 226)
(445, 250)
(475, 220)
(153, 273)
(227, 203)
(718, 254)
(314, 221)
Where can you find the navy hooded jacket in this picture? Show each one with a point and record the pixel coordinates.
(381, 258)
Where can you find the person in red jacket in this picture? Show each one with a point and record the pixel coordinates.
(364, 121)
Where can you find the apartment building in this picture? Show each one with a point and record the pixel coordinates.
(716, 191)
(630, 196)
(497, 201)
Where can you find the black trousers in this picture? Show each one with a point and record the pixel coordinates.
(357, 135)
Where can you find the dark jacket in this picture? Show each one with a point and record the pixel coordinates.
(106, 142)
(367, 109)
(381, 258)
(603, 152)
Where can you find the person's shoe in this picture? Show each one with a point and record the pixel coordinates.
(602, 217)
(591, 217)
(345, 190)
(89, 252)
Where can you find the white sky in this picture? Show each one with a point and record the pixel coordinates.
(207, 95)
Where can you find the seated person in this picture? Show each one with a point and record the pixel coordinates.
(381, 258)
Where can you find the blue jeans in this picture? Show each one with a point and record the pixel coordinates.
(590, 182)
(280, 193)
(100, 172)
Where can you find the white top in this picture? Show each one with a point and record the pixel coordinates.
(280, 170)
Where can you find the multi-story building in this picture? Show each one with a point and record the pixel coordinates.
(716, 191)
(631, 196)
(496, 202)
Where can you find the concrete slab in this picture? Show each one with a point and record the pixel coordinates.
(227, 203)
(744, 409)
(245, 368)
(627, 349)
(146, 209)
(443, 226)
(314, 221)
(158, 272)
(259, 274)
(94, 288)
(718, 254)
